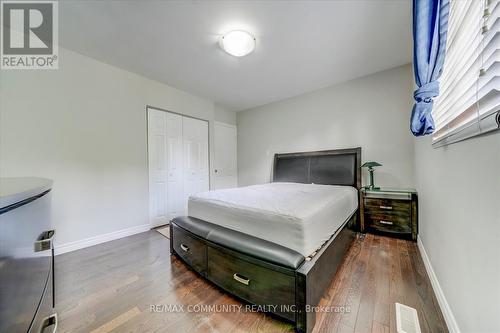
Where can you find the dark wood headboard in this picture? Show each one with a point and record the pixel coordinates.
(328, 167)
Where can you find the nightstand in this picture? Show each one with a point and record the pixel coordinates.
(390, 211)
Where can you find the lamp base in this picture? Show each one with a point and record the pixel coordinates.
(372, 183)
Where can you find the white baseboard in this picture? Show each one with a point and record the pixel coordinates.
(443, 304)
(83, 243)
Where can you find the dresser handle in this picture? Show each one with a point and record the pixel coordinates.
(184, 248)
(386, 222)
(385, 207)
(44, 241)
(241, 279)
(48, 322)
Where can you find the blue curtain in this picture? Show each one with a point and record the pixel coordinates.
(430, 25)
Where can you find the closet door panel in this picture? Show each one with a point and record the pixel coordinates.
(178, 163)
(195, 137)
(157, 159)
(174, 165)
(190, 159)
(203, 168)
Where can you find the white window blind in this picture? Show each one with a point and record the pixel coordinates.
(469, 102)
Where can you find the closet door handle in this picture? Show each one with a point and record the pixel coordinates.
(385, 207)
(241, 279)
(386, 222)
(48, 322)
(184, 248)
(44, 241)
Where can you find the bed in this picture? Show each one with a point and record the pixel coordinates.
(277, 245)
(298, 216)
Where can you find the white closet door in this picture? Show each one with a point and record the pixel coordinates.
(195, 137)
(157, 122)
(178, 163)
(175, 204)
(225, 156)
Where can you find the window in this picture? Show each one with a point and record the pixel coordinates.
(469, 101)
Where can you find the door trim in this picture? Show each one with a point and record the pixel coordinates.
(177, 113)
(226, 124)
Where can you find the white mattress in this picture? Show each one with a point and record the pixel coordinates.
(300, 217)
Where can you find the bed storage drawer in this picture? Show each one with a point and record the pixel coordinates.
(253, 283)
(190, 248)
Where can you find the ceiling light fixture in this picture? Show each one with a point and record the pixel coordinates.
(238, 43)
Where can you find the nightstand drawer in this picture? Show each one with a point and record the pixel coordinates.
(388, 205)
(405, 214)
(388, 223)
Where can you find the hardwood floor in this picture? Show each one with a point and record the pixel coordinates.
(126, 286)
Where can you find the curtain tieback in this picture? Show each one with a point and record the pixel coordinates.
(427, 92)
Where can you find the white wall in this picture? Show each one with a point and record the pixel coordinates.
(84, 126)
(459, 206)
(224, 115)
(370, 112)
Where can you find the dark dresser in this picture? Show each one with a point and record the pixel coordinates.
(26, 256)
(390, 211)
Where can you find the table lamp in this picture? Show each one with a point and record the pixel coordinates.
(370, 166)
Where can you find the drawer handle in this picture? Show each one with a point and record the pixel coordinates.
(241, 279)
(44, 241)
(385, 207)
(386, 222)
(50, 321)
(184, 248)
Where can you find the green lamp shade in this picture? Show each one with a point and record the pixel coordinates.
(371, 165)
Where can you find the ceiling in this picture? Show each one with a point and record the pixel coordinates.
(301, 45)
